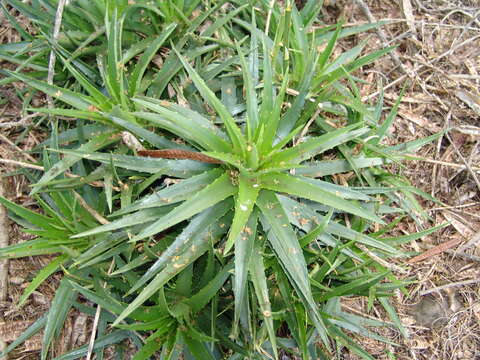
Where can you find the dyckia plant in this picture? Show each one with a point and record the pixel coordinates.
(253, 246)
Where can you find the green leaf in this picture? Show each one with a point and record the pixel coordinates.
(100, 100)
(160, 142)
(197, 348)
(237, 138)
(392, 314)
(197, 228)
(140, 217)
(174, 193)
(43, 222)
(354, 287)
(259, 280)
(198, 301)
(108, 302)
(27, 334)
(74, 99)
(285, 244)
(317, 231)
(298, 187)
(250, 93)
(244, 243)
(41, 276)
(217, 191)
(148, 350)
(382, 131)
(327, 52)
(57, 314)
(114, 337)
(193, 127)
(94, 144)
(176, 168)
(319, 144)
(335, 228)
(248, 189)
(330, 167)
(135, 79)
(198, 247)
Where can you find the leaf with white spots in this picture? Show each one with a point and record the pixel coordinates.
(284, 243)
(247, 194)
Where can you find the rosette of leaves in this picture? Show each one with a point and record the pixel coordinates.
(253, 252)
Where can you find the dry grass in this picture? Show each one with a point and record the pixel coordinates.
(439, 52)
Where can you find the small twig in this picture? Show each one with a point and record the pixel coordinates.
(447, 286)
(13, 145)
(454, 207)
(388, 265)
(4, 262)
(306, 127)
(41, 168)
(23, 121)
(91, 343)
(472, 242)
(393, 83)
(457, 253)
(92, 211)
(435, 250)
(383, 37)
(467, 165)
(452, 50)
(457, 166)
(22, 164)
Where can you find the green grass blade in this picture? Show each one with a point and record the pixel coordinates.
(77, 100)
(245, 200)
(94, 144)
(330, 46)
(197, 228)
(27, 334)
(198, 247)
(43, 222)
(193, 128)
(198, 301)
(154, 139)
(177, 168)
(197, 348)
(101, 101)
(140, 217)
(285, 244)
(243, 254)
(217, 191)
(354, 287)
(114, 79)
(135, 79)
(382, 131)
(392, 314)
(236, 136)
(57, 314)
(259, 280)
(266, 108)
(329, 167)
(298, 187)
(319, 144)
(41, 276)
(115, 337)
(174, 193)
